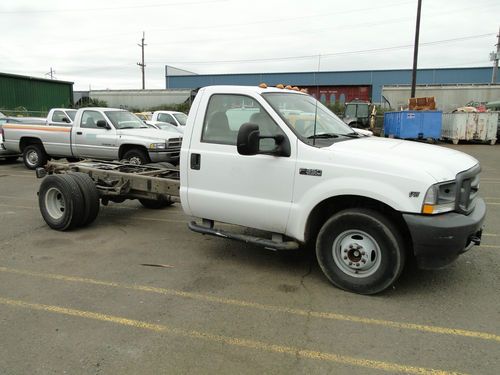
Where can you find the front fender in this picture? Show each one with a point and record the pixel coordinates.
(396, 198)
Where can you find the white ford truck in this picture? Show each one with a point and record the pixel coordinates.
(281, 163)
(99, 133)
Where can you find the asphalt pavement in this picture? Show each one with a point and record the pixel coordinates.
(138, 293)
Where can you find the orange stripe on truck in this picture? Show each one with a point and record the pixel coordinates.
(36, 127)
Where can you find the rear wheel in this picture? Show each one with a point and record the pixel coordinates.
(61, 202)
(34, 156)
(136, 156)
(361, 251)
(90, 196)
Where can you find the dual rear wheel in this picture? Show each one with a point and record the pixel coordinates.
(68, 201)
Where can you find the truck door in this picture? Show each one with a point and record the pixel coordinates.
(253, 191)
(91, 141)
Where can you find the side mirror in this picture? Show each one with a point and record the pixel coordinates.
(66, 120)
(247, 142)
(102, 124)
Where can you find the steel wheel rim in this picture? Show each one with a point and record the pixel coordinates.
(356, 253)
(55, 203)
(135, 160)
(32, 158)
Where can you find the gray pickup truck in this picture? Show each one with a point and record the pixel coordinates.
(97, 133)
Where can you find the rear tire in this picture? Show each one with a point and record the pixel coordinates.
(136, 156)
(361, 251)
(34, 156)
(155, 204)
(61, 202)
(90, 196)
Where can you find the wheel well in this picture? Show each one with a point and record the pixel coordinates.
(28, 141)
(125, 148)
(325, 209)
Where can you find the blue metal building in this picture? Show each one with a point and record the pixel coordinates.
(374, 79)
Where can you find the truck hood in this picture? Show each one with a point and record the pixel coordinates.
(151, 134)
(441, 163)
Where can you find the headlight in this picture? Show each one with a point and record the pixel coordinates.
(158, 146)
(440, 198)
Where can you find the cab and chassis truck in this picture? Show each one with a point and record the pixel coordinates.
(248, 158)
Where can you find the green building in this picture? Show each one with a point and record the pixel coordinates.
(33, 96)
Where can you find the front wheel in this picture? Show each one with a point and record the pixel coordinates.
(136, 156)
(361, 251)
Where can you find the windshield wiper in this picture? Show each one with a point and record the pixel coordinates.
(128, 127)
(351, 135)
(323, 135)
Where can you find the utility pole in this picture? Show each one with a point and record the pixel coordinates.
(415, 52)
(141, 64)
(51, 73)
(494, 57)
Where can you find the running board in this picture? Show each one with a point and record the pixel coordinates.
(268, 244)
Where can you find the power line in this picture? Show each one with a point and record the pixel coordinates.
(326, 55)
(114, 8)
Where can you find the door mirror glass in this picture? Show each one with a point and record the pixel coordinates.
(102, 124)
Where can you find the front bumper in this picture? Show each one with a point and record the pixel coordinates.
(169, 156)
(439, 240)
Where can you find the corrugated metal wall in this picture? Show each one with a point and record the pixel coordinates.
(34, 94)
(373, 78)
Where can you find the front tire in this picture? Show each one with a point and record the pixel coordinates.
(136, 156)
(361, 251)
(34, 156)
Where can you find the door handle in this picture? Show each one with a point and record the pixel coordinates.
(78, 133)
(195, 161)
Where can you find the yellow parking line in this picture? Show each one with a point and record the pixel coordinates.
(490, 246)
(232, 341)
(259, 306)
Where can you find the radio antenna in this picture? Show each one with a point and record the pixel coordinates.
(318, 96)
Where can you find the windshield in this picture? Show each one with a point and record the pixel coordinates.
(356, 110)
(71, 114)
(125, 120)
(181, 117)
(300, 111)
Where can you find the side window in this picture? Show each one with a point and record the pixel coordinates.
(225, 115)
(58, 116)
(90, 118)
(165, 117)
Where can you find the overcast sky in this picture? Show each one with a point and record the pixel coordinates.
(94, 43)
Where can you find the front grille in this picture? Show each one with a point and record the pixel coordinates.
(467, 189)
(174, 144)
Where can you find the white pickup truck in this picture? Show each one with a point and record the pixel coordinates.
(99, 133)
(280, 162)
(178, 119)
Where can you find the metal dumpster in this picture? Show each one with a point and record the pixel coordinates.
(413, 124)
(470, 126)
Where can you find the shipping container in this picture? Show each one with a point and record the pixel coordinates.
(413, 124)
(35, 95)
(470, 126)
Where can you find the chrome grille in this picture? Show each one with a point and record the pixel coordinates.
(467, 189)
(174, 144)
